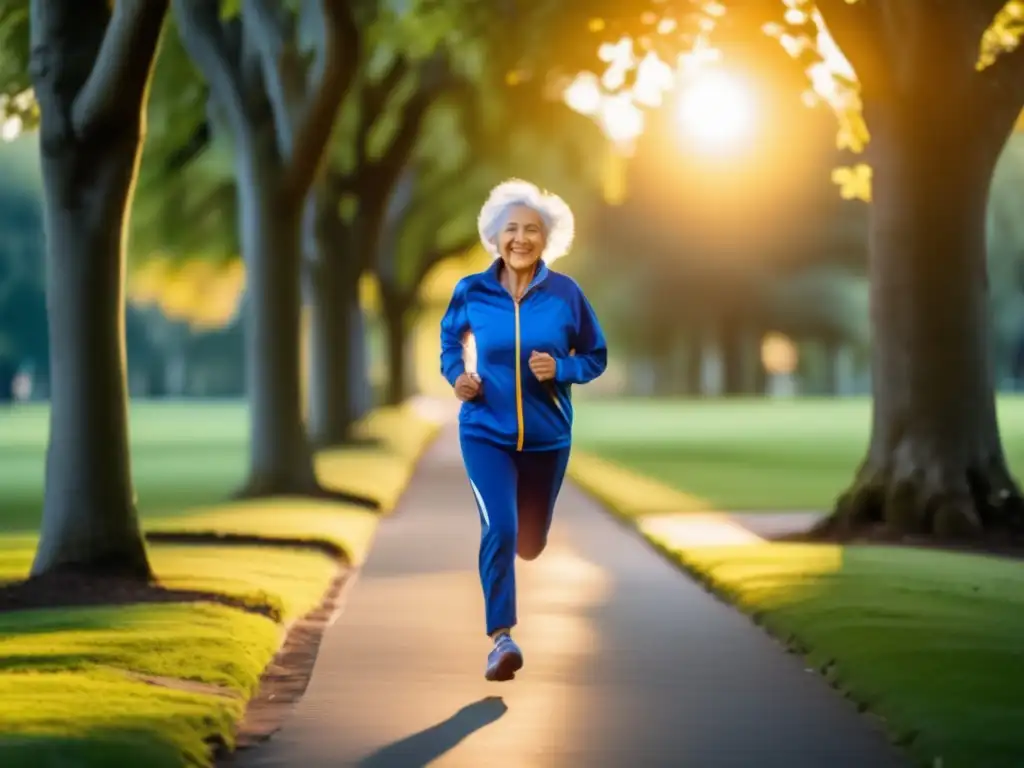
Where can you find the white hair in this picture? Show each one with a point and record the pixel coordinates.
(555, 214)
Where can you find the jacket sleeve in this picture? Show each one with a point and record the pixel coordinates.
(454, 326)
(591, 356)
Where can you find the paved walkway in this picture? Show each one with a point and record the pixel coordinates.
(628, 663)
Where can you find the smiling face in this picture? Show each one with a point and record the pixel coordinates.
(521, 241)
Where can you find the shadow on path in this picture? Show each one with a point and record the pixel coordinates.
(429, 744)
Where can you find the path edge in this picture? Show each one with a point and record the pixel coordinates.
(284, 681)
(790, 645)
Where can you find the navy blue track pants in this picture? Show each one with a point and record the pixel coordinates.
(515, 496)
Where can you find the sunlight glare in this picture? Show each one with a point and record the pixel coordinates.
(620, 118)
(10, 129)
(716, 109)
(584, 94)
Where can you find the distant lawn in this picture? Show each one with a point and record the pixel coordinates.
(749, 454)
(187, 455)
(183, 454)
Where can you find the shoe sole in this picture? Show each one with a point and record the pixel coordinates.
(506, 668)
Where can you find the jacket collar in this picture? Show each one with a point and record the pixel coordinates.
(493, 272)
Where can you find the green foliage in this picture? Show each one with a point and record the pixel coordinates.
(836, 46)
(15, 96)
(185, 196)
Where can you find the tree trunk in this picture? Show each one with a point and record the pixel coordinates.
(832, 349)
(730, 341)
(280, 455)
(90, 523)
(90, 75)
(366, 240)
(337, 348)
(280, 458)
(759, 376)
(359, 357)
(935, 464)
(690, 378)
(332, 397)
(394, 316)
(326, 251)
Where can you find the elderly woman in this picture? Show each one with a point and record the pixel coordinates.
(536, 335)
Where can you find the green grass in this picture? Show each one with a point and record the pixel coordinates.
(749, 454)
(930, 642)
(183, 454)
(55, 665)
(71, 680)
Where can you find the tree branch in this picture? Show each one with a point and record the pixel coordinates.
(436, 255)
(405, 298)
(436, 77)
(427, 194)
(204, 38)
(270, 29)
(861, 31)
(121, 72)
(374, 97)
(314, 128)
(197, 141)
(338, 184)
(375, 94)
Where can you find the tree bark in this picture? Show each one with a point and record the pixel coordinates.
(730, 339)
(394, 315)
(758, 374)
(280, 458)
(333, 289)
(935, 463)
(693, 377)
(90, 69)
(90, 521)
(281, 124)
(832, 349)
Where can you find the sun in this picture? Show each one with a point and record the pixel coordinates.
(716, 109)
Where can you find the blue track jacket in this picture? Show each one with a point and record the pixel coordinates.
(514, 410)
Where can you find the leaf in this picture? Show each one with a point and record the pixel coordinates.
(854, 182)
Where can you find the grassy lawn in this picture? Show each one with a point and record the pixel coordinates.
(928, 641)
(750, 454)
(183, 454)
(154, 684)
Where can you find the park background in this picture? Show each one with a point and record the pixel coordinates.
(723, 225)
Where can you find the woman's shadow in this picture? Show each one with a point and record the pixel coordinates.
(429, 744)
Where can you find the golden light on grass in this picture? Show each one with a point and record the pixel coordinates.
(696, 530)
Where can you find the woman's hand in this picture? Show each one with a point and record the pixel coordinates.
(467, 387)
(543, 365)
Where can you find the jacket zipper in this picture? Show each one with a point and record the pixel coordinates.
(520, 421)
(519, 379)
